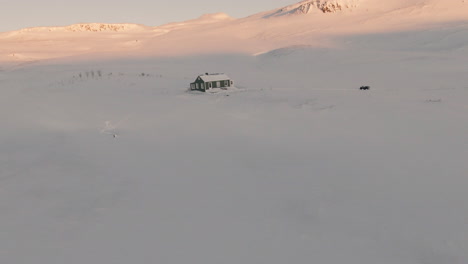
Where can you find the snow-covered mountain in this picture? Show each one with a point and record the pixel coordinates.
(309, 6)
(86, 27)
(449, 8)
(311, 22)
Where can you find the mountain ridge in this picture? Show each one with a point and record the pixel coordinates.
(311, 22)
(309, 6)
(86, 27)
(304, 7)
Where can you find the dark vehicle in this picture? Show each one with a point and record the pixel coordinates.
(364, 88)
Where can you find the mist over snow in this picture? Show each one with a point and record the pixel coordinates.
(106, 157)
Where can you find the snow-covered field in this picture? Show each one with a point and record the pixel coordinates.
(114, 161)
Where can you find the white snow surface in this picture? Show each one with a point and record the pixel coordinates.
(108, 158)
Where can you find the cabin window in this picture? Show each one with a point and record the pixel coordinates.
(209, 85)
(226, 83)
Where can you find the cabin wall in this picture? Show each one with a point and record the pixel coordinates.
(200, 85)
(220, 84)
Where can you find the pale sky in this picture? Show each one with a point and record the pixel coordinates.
(16, 14)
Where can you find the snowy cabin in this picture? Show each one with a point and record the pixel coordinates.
(211, 81)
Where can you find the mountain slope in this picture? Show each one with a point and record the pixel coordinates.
(309, 6)
(86, 27)
(449, 9)
(311, 22)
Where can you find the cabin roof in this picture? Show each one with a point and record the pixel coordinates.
(214, 77)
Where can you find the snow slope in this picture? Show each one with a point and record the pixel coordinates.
(310, 6)
(108, 159)
(219, 33)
